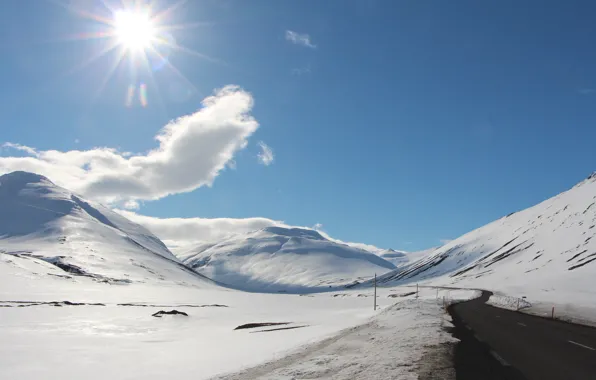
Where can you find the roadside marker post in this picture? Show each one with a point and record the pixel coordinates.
(375, 296)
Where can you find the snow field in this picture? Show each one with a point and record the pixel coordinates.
(125, 342)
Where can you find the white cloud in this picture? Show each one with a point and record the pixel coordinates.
(266, 156)
(299, 39)
(20, 147)
(192, 150)
(131, 204)
(181, 231)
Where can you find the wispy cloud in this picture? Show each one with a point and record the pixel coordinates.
(131, 205)
(191, 152)
(299, 39)
(266, 156)
(184, 231)
(587, 91)
(445, 241)
(19, 147)
(301, 70)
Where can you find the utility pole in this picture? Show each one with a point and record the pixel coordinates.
(375, 297)
(416, 290)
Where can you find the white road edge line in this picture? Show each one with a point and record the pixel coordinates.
(521, 324)
(499, 358)
(477, 337)
(581, 345)
(468, 327)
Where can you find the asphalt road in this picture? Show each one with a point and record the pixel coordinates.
(503, 344)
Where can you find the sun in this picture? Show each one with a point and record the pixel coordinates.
(139, 37)
(134, 31)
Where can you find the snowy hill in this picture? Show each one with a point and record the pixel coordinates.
(547, 251)
(46, 231)
(283, 259)
(398, 258)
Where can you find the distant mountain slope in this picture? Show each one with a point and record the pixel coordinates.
(543, 250)
(47, 231)
(283, 259)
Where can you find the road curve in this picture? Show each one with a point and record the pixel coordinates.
(502, 344)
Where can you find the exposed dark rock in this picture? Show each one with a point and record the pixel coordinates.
(264, 324)
(160, 313)
(280, 328)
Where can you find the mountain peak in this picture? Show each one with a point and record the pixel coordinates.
(22, 178)
(294, 232)
(590, 178)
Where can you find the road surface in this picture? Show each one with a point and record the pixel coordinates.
(503, 344)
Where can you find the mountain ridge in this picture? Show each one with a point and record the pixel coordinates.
(48, 226)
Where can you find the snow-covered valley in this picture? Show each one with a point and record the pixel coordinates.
(56, 246)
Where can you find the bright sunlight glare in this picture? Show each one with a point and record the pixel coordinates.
(134, 30)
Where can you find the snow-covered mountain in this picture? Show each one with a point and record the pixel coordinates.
(283, 259)
(541, 251)
(46, 231)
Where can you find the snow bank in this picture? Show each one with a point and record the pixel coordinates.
(509, 303)
(391, 346)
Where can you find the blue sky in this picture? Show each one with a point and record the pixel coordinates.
(393, 123)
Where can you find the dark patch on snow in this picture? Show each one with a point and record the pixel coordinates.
(279, 329)
(161, 313)
(59, 262)
(150, 305)
(509, 252)
(462, 271)
(50, 303)
(581, 253)
(401, 295)
(352, 284)
(60, 275)
(587, 257)
(497, 250)
(262, 324)
(582, 264)
(589, 207)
